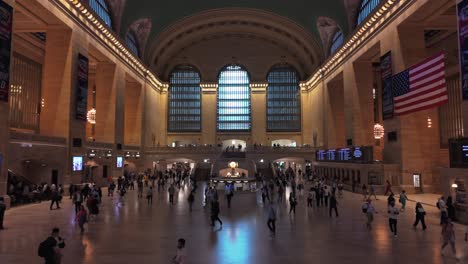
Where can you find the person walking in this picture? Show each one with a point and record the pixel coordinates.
(111, 189)
(149, 195)
(310, 198)
(81, 218)
(171, 191)
(292, 203)
(388, 189)
(364, 192)
(271, 223)
(420, 216)
(140, 188)
(390, 199)
(369, 209)
(55, 198)
(326, 195)
(450, 208)
(50, 249)
(448, 236)
(215, 213)
(191, 199)
(443, 210)
(372, 191)
(2, 212)
(77, 200)
(180, 257)
(393, 213)
(333, 205)
(229, 195)
(403, 199)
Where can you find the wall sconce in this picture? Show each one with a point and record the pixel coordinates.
(429, 122)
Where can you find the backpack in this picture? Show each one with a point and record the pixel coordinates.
(437, 205)
(364, 208)
(44, 249)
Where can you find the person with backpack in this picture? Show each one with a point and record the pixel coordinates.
(369, 210)
(82, 218)
(372, 191)
(50, 249)
(393, 213)
(443, 210)
(420, 216)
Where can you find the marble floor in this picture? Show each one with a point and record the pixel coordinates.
(137, 233)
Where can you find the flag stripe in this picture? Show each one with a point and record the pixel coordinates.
(420, 87)
(429, 87)
(423, 107)
(421, 99)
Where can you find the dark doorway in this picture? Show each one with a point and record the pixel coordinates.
(55, 177)
(104, 171)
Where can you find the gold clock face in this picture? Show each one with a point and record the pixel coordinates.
(232, 164)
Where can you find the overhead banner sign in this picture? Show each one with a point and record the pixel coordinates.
(82, 88)
(462, 11)
(6, 23)
(386, 70)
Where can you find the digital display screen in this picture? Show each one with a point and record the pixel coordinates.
(465, 153)
(344, 154)
(77, 163)
(331, 156)
(321, 155)
(119, 162)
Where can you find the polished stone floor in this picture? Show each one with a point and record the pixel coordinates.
(137, 233)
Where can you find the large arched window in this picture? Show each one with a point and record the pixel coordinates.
(102, 10)
(366, 8)
(337, 41)
(184, 108)
(132, 43)
(233, 100)
(283, 99)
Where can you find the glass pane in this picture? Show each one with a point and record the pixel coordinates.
(233, 100)
(283, 100)
(100, 8)
(184, 110)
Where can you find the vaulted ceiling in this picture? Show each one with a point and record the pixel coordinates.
(162, 26)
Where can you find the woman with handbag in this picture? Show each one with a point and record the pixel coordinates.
(420, 216)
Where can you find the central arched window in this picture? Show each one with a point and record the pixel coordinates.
(184, 109)
(102, 10)
(367, 7)
(337, 41)
(233, 100)
(283, 99)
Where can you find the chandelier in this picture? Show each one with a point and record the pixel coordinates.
(91, 116)
(379, 131)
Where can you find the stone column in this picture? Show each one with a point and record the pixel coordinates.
(106, 96)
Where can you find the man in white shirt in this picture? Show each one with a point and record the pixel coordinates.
(393, 213)
(180, 255)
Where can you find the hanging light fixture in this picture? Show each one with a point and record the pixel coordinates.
(91, 116)
(379, 131)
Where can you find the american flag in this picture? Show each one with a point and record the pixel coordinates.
(421, 86)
